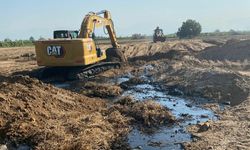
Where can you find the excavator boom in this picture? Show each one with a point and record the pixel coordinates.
(94, 20)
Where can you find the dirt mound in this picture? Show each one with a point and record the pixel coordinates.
(170, 54)
(148, 113)
(232, 50)
(219, 86)
(194, 77)
(94, 89)
(131, 82)
(150, 49)
(214, 41)
(44, 117)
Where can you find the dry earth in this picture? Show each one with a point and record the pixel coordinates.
(231, 132)
(46, 117)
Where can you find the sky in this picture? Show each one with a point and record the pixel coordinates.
(21, 19)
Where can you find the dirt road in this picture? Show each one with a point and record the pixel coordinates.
(83, 115)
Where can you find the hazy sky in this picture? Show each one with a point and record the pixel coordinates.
(21, 19)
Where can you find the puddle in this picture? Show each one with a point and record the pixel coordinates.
(121, 79)
(164, 138)
(167, 137)
(62, 85)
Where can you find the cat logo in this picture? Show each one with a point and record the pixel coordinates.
(56, 51)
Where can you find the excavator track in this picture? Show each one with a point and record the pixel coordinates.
(51, 74)
(90, 71)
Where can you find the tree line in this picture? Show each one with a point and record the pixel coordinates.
(189, 29)
(16, 43)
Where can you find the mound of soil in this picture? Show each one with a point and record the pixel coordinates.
(201, 79)
(94, 89)
(44, 117)
(170, 54)
(131, 82)
(219, 86)
(214, 41)
(233, 51)
(150, 49)
(147, 113)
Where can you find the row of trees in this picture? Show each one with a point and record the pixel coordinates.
(18, 43)
(189, 29)
(192, 28)
(138, 36)
(227, 33)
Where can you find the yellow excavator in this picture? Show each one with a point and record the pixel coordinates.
(77, 54)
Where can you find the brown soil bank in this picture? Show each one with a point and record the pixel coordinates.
(148, 113)
(93, 89)
(233, 51)
(45, 117)
(199, 78)
(203, 79)
(176, 66)
(231, 132)
(149, 49)
(220, 81)
(42, 116)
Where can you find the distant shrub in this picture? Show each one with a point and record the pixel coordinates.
(32, 39)
(138, 36)
(217, 31)
(233, 32)
(189, 29)
(16, 43)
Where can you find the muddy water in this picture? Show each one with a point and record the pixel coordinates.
(168, 137)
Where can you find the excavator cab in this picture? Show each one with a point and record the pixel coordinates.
(64, 34)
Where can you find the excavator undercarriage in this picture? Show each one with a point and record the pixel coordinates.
(52, 74)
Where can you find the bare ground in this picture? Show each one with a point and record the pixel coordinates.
(40, 119)
(232, 131)
(45, 117)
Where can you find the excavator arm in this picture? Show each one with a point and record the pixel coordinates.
(94, 20)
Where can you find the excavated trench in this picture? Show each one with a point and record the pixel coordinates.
(185, 110)
(169, 136)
